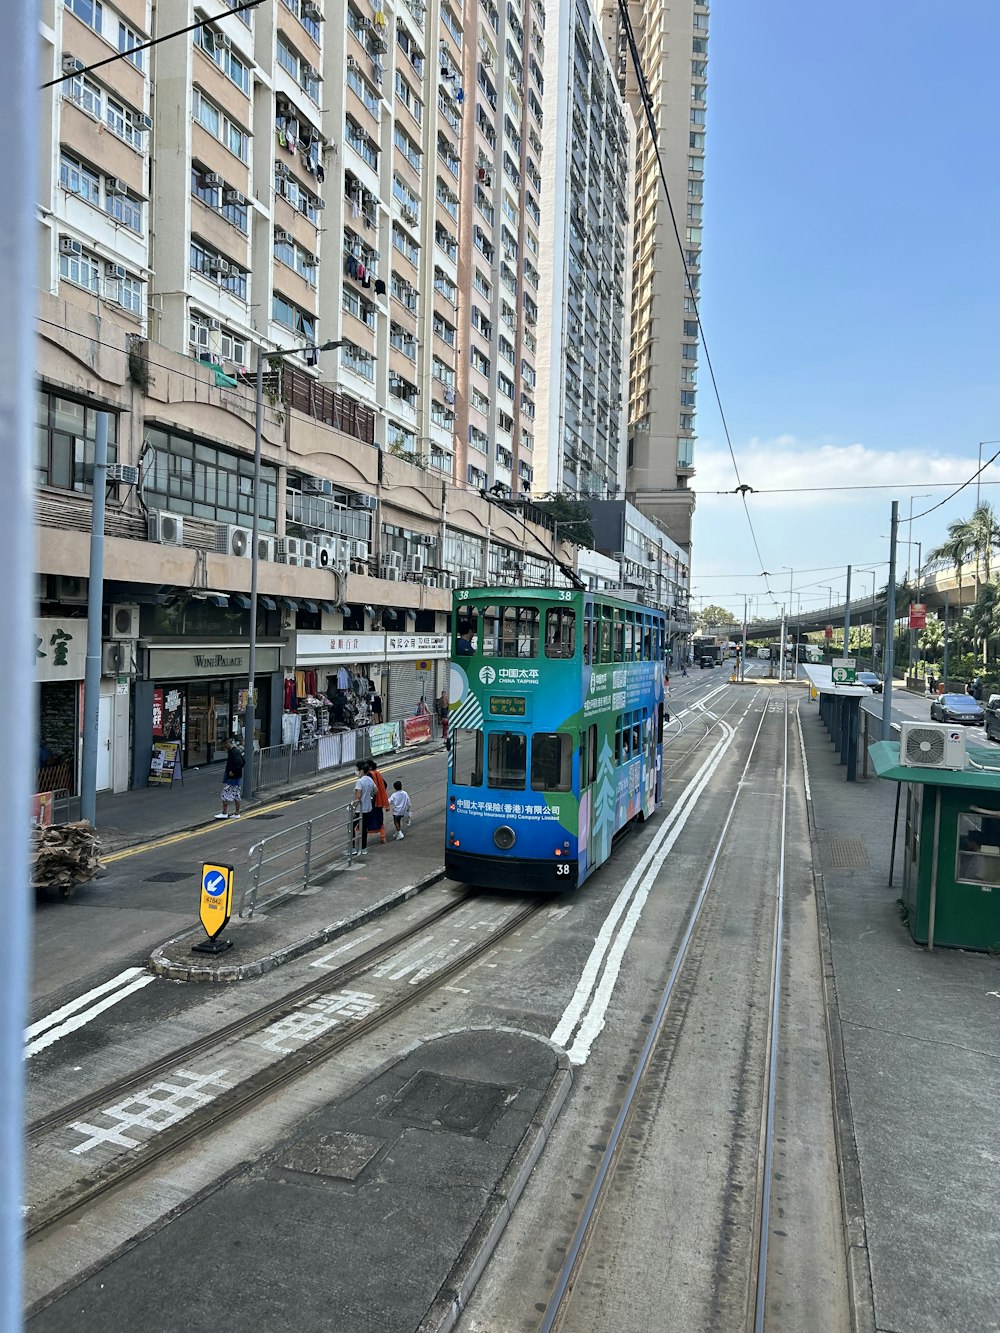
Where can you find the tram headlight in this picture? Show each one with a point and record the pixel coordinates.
(504, 837)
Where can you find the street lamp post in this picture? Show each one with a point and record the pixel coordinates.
(250, 721)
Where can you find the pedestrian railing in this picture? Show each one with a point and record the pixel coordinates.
(296, 859)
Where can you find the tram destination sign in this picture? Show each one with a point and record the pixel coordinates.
(508, 705)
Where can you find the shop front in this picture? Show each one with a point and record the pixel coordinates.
(197, 695)
(402, 672)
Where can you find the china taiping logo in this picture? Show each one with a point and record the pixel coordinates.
(487, 675)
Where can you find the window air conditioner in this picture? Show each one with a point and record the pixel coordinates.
(414, 564)
(931, 745)
(230, 196)
(115, 185)
(71, 64)
(426, 539)
(124, 474)
(362, 502)
(290, 551)
(233, 540)
(69, 246)
(166, 528)
(282, 237)
(359, 550)
(211, 180)
(449, 580)
(309, 555)
(124, 617)
(115, 271)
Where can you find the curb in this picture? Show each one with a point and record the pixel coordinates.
(860, 1293)
(162, 966)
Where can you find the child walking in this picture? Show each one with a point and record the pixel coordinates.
(400, 807)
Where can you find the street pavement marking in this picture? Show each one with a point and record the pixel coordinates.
(80, 1020)
(57, 1015)
(154, 1108)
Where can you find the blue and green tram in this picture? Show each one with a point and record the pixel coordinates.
(556, 712)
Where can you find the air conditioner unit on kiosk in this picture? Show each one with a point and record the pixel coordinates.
(124, 620)
(290, 551)
(931, 745)
(166, 528)
(265, 548)
(230, 539)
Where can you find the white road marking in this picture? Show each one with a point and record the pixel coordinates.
(352, 943)
(802, 750)
(313, 1019)
(82, 1019)
(154, 1108)
(574, 1011)
(81, 1002)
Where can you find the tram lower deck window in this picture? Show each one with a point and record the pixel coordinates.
(551, 761)
(467, 757)
(507, 761)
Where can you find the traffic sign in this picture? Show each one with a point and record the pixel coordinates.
(216, 906)
(918, 615)
(424, 665)
(843, 670)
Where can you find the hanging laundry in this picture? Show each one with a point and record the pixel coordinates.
(320, 175)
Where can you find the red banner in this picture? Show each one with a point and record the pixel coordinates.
(828, 632)
(416, 729)
(918, 615)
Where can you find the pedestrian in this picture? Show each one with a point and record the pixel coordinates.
(463, 644)
(376, 702)
(401, 808)
(232, 779)
(361, 808)
(442, 712)
(381, 802)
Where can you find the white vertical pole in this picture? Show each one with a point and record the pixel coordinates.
(19, 239)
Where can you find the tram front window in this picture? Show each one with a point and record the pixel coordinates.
(551, 761)
(560, 632)
(506, 769)
(510, 631)
(467, 757)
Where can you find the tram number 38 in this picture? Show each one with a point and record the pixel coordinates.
(562, 870)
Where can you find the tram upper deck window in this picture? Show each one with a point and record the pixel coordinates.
(507, 761)
(630, 653)
(510, 631)
(466, 626)
(466, 757)
(560, 632)
(619, 636)
(606, 633)
(551, 761)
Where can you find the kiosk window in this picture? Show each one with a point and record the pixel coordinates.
(560, 632)
(507, 761)
(551, 761)
(978, 850)
(510, 631)
(466, 757)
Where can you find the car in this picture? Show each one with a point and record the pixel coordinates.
(992, 722)
(957, 708)
(706, 662)
(870, 679)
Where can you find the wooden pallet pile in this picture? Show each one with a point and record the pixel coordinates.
(63, 856)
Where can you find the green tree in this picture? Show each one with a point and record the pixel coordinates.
(931, 639)
(572, 516)
(985, 615)
(715, 615)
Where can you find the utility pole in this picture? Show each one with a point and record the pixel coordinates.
(944, 664)
(847, 615)
(890, 625)
(95, 603)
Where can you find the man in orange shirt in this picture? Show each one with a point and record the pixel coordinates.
(381, 802)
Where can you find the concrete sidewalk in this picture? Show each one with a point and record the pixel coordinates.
(915, 1042)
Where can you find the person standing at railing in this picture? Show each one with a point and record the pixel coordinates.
(364, 799)
(381, 802)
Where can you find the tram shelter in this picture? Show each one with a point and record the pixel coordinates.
(951, 861)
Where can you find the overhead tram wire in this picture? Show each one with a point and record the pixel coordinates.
(955, 492)
(647, 106)
(153, 41)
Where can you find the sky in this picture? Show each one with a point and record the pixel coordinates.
(850, 287)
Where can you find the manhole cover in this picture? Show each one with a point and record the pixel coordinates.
(171, 876)
(343, 1156)
(457, 1104)
(848, 854)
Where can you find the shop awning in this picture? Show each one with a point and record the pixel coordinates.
(267, 602)
(310, 606)
(241, 600)
(289, 603)
(327, 606)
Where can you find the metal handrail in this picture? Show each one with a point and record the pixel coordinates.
(290, 861)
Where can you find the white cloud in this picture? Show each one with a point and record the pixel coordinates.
(770, 465)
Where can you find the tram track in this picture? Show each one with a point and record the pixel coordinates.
(739, 1285)
(45, 1217)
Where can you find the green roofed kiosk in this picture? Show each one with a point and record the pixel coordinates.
(951, 861)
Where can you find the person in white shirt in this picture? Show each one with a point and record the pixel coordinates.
(400, 807)
(364, 799)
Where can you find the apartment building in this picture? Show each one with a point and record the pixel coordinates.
(583, 290)
(663, 387)
(500, 245)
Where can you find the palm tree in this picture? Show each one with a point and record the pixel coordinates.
(984, 530)
(957, 549)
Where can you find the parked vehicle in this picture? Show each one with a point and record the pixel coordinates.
(957, 708)
(706, 662)
(870, 679)
(992, 718)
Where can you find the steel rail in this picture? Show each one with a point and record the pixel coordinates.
(235, 1101)
(581, 1235)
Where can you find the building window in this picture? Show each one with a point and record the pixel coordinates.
(127, 42)
(294, 318)
(64, 442)
(90, 12)
(82, 270)
(79, 179)
(188, 477)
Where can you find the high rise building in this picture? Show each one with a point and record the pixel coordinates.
(500, 243)
(583, 293)
(673, 49)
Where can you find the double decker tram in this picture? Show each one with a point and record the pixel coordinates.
(556, 732)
